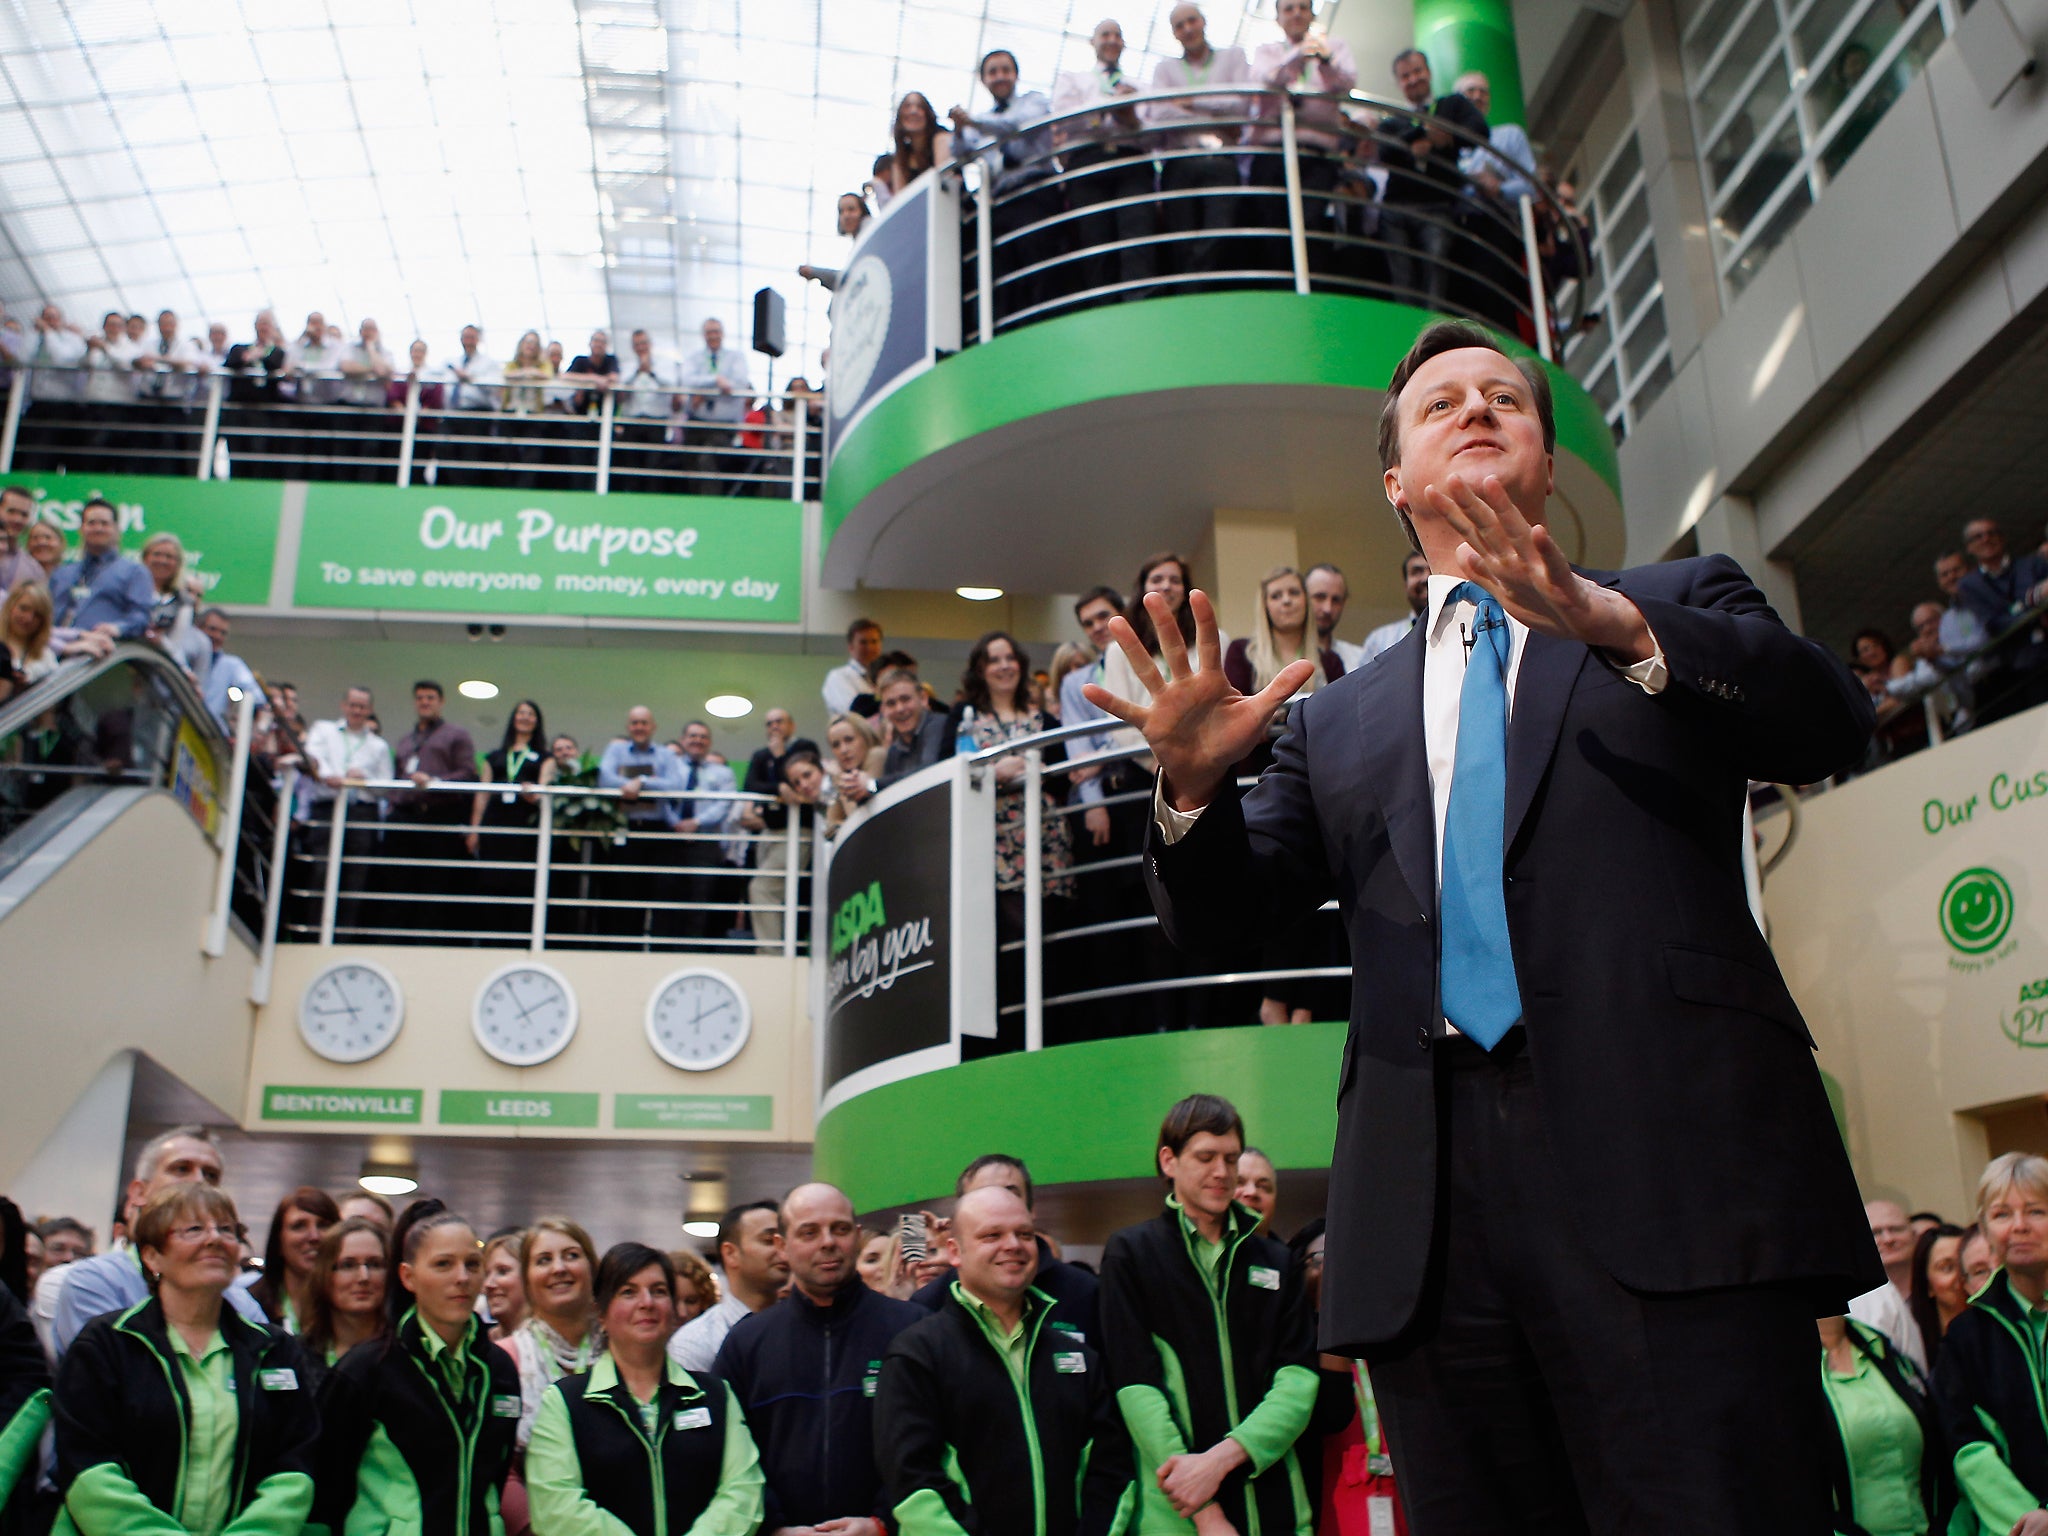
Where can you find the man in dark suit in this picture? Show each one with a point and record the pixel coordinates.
(1587, 1196)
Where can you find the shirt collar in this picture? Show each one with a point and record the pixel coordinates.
(217, 1345)
(1440, 588)
(1187, 1222)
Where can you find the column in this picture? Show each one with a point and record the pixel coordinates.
(1728, 527)
(78, 1170)
(1247, 545)
(1462, 35)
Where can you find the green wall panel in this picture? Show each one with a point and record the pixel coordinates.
(1079, 1113)
(1191, 342)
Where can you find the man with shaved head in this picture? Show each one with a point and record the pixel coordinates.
(633, 764)
(989, 1418)
(804, 1371)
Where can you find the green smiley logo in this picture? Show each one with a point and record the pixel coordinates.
(1976, 911)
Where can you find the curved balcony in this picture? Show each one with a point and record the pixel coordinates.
(1192, 313)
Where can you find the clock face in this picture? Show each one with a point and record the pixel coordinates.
(524, 1014)
(698, 1019)
(860, 326)
(350, 1012)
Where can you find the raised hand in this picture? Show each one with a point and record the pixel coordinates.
(1197, 725)
(1520, 563)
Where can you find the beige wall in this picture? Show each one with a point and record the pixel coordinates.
(103, 958)
(1941, 1056)
(609, 1054)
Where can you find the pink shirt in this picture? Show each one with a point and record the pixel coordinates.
(1319, 124)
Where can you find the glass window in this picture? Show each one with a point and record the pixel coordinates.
(1759, 109)
(1653, 383)
(1850, 67)
(1625, 228)
(1628, 160)
(1634, 286)
(1603, 388)
(1644, 342)
(1778, 162)
(1731, 76)
(1789, 213)
(1705, 23)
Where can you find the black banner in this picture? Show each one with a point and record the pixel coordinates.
(888, 980)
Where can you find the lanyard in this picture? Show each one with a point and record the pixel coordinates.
(1201, 76)
(516, 758)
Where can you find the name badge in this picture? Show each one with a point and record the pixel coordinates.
(1265, 1279)
(693, 1418)
(507, 797)
(505, 1407)
(1070, 1362)
(284, 1379)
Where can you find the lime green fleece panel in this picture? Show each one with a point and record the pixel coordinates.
(282, 1502)
(1999, 1498)
(1155, 1434)
(737, 1507)
(1269, 1431)
(103, 1501)
(20, 1438)
(925, 1513)
(554, 1478)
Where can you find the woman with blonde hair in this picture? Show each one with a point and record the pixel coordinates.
(856, 755)
(25, 625)
(1993, 1377)
(526, 373)
(173, 620)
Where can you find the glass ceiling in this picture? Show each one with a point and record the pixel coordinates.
(553, 164)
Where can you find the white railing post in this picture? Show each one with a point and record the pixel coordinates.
(216, 943)
(543, 861)
(273, 901)
(799, 441)
(209, 433)
(1034, 900)
(409, 431)
(604, 443)
(16, 388)
(1297, 222)
(794, 827)
(985, 256)
(1927, 705)
(1539, 303)
(337, 831)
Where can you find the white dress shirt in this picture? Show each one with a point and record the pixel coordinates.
(1888, 1312)
(169, 369)
(701, 374)
(110, 381)
(1085, 88)
(332, 749)
(1318, 124)
(480, 393)
(646, 391)
(57, 354)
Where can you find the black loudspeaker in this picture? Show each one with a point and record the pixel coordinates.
(768, 329)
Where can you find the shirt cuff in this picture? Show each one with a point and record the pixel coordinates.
(1173, 825)
(1650, 674)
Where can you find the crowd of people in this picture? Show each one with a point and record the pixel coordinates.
(1109, 187)
(1976, 656)
(369, 1369)
(131, 396)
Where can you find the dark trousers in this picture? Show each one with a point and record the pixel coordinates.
(1016, 210)
(428, 834)
(642, 872)
(1318, 181)
(697, 857)
(1111, 178)
(1215, 177)
(1540, 1396)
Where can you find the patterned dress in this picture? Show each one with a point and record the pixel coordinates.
(1055, 840)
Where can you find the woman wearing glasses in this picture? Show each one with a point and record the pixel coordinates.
(179, 1414)
(344, 1294)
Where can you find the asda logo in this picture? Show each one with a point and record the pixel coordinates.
(1976, 911)
(860, 914)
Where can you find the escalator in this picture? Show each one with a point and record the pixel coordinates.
(130, 889)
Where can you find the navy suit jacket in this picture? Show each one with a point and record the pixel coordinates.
(1686, 1114)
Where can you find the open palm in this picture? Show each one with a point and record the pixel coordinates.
(1197, 725)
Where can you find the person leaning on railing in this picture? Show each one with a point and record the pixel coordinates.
(1424, 183)
(1301, 60)
(177, 1413)
(1107, 160)
(1200, 140)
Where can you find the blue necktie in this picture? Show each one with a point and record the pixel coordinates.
(688, 808)
(1477, 972)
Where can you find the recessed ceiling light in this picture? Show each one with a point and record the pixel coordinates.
(729, 706)
(701, 1228)
(389, 1178)
(979, 594)
(477, 688)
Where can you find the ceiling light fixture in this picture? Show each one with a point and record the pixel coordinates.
(701, 1228)
(477, 688)
(729, 706)
(979, 594)
(389, 1178)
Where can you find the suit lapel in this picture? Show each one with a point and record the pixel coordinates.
(1397, 760)
(1550, 669)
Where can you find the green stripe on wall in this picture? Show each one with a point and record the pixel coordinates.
(1079, 1113)
(1192, 342)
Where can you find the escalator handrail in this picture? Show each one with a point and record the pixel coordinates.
(73, 675)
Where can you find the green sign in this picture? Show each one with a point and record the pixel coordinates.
(228, 527)
(1976, 911)
(463, 1106)
(392, 1105)
(693, 1112)
(573, 553)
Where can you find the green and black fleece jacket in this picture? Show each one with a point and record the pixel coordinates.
(123, 1428)
(419, 1435)
(24, 1399)
(1991, 1390)
(982, 1433)
(1197, 1355)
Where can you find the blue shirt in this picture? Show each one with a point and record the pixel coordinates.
(112, 1282)
(102, 589)
(226, 671)
(653, 765)
(710, 814)
(1075, 709)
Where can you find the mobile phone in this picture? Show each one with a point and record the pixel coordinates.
(911, 1241)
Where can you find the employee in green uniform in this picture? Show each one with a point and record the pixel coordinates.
(419, 1424)
(1889, 1465)
(1210, 1345)
(178, 1414)
(636, 1443)
(990, 1419)
(1990, 1387)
